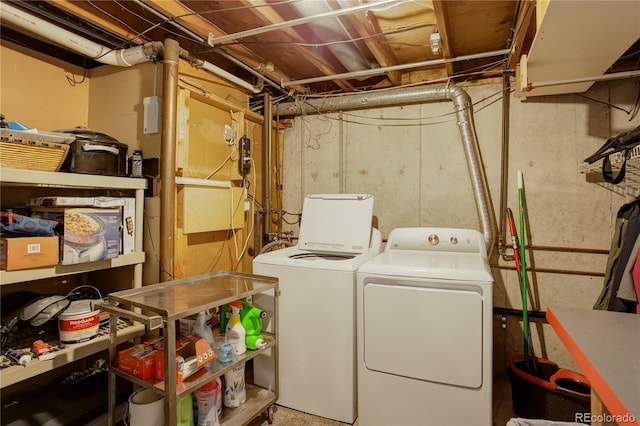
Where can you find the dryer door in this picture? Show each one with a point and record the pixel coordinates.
(426, 333)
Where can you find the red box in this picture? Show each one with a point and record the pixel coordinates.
(194, 352)
(139, 361)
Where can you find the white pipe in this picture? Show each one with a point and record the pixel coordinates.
(206, 65)
(604, 77)
(227, 75)
(294, 22)
(383, 70)
(120, 57)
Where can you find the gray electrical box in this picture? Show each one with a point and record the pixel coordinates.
(152, 114)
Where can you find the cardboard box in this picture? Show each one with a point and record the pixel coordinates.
(126, 205)
(194, 351)
(60, 201)
(90, 235)
(128, 225)
(29, 252)
(139, 361)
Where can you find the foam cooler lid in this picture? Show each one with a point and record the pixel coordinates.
(336, 223)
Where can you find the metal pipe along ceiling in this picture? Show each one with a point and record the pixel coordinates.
(463, 109)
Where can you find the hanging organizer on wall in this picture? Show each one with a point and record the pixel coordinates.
(616, 164)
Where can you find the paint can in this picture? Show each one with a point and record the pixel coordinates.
(78, 323)
(146, 408)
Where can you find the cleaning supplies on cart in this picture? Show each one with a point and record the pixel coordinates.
(225, 352)
(206, 397)
(251, 319)
(235, 393)
(202, 330)
(235, 333)
(184, 410)
(219, 396)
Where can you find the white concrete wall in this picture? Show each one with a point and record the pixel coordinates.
(411, 159)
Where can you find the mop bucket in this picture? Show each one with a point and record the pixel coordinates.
(553, 393)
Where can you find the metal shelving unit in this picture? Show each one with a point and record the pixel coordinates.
(166, 303)
(19, 178)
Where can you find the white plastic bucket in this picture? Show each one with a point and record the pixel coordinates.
(146, 408)
(78, 323)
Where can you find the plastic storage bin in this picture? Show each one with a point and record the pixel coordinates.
(551, 393)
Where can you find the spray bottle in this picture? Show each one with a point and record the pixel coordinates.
(235, 332)
(251, 319)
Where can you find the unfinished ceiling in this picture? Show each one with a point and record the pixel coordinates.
(319, 46)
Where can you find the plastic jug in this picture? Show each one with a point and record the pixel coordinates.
(251, 319)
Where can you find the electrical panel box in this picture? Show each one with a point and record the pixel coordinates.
(245, 155)
(152, 114)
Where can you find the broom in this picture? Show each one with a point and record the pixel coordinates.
(523, 275)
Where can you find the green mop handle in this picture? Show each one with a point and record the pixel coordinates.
(523, 272)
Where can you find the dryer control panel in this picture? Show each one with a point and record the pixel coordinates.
(436, 240)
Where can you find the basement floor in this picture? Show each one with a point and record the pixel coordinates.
(502, 411)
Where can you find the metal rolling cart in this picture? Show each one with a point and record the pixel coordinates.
(161, 306)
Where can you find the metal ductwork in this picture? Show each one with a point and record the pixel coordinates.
(463, 109)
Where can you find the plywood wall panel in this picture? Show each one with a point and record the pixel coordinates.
(207, 209)
(204, 213)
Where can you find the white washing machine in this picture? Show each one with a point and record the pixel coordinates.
(317, 306)
(425, 330)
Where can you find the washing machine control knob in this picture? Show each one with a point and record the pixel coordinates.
(453, 240)
(433, 239)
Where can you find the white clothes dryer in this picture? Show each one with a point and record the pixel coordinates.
(317, 305)
(424, 323)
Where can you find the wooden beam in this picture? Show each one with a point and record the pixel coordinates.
(203, 27)
(270, 16)
(523, 21)
(74, 8)
(365, 25)
(440, 8)
(425, 76)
